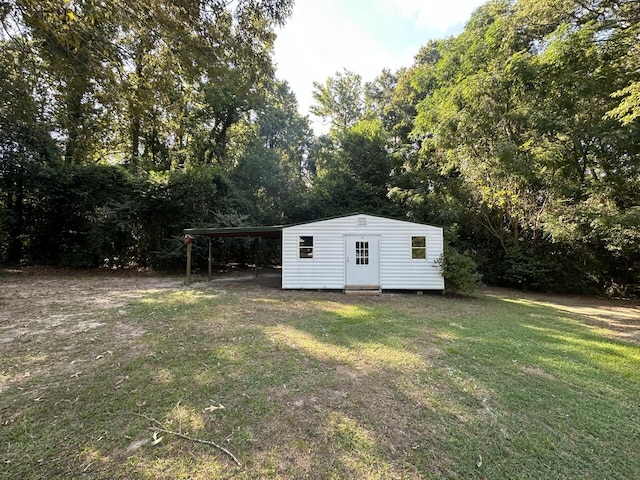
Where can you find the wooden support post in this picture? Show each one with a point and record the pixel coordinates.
(210, 258)
(188, 280)
(257, 249)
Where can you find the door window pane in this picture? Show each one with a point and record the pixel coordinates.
(362, 253)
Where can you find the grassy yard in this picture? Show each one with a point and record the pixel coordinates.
(96, 370)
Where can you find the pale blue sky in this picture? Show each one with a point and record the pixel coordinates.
(363, 36)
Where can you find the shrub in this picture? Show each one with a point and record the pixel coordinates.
(460, 271)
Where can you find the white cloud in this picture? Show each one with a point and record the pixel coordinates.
(318, 42)
(433, 14)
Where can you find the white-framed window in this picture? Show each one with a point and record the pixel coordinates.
(306, 246)
(419, 247)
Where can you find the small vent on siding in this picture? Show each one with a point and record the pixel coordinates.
(362, 221)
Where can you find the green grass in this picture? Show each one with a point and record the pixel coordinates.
(321, 385)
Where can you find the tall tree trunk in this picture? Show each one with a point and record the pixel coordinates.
(134, 162)
(73, 152)
(135, 110)
(15, 202)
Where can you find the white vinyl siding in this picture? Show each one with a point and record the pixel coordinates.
(326, 269)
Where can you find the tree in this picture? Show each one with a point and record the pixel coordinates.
(26, 145)
(354, 171)
(153, 85)
(339, 100)
(134, 65)
(513, 120)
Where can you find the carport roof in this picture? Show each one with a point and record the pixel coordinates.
(274, 231)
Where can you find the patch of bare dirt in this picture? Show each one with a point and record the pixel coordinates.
(536, 371)
(50, 321)
(49, 302)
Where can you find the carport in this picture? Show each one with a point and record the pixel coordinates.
(357, 253)
(270, 232)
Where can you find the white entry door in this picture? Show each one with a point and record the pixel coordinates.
(362, 263)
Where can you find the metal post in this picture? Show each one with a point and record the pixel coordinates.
(257, 248)
(188, 280)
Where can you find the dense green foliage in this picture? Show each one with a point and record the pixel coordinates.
(122, 123)
(520, 138)
(460, 272)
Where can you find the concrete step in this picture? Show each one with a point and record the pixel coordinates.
(363, 291)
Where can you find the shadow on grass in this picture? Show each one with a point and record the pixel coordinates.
(566, 389)
(304, 385)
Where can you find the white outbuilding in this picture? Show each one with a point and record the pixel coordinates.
(359, 252)
(362, 252)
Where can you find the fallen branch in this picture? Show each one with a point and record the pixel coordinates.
(198, 440)
(162, 429)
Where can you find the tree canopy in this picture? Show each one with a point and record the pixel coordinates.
(121, 123)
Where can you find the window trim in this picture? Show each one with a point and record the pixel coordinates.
(306, 247)
(418, 249)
